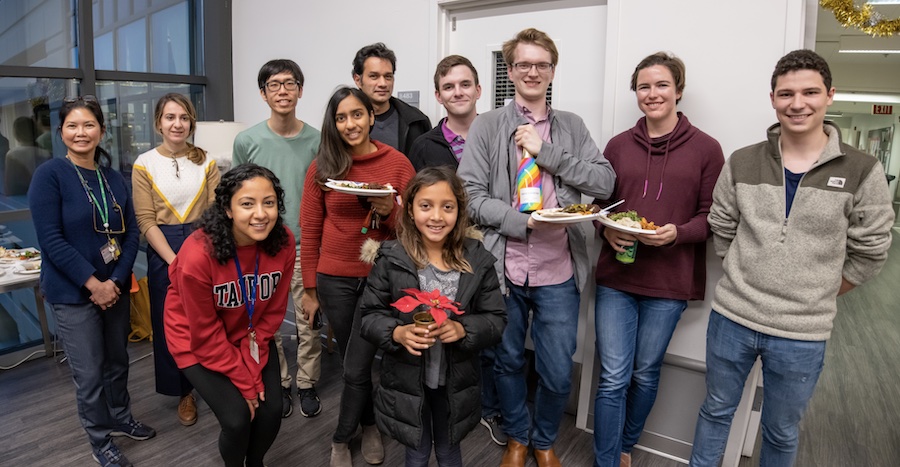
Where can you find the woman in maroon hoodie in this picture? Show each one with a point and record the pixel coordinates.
(666, 170)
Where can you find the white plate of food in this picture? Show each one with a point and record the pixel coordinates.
(17, 255)
(628, 221)
(571, 214)
(28, 267)
(360, 188)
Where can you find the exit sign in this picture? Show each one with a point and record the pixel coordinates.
(878, 109)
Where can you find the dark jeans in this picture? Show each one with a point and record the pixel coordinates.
(95, 341)
(240, 437)
(435, 430)
(169, 379)
(339, 299)
(490, 400)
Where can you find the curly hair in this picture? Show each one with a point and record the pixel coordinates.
(803, 59)
(219, 227)
(195, 154)
(408, 234)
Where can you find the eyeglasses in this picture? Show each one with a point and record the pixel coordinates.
(86, 98)
(113, 228)
(525, 67)
(290, 85)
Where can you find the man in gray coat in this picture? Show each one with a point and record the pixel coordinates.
(542, 266)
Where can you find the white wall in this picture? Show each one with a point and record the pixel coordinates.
(323, 37)
(727, 83)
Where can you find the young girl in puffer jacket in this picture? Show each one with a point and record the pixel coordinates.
(429, 391)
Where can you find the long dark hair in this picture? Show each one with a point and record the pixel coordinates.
(334, 158)
(195, 154)
(101, 156)
(218, 226)
(410, 237)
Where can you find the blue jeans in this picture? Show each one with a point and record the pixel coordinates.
(554, 329)
(435, 431)
(633, 332)
(490, 400)
(95, 342)
(791, 369)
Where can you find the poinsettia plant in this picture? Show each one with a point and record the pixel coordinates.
(438, 305)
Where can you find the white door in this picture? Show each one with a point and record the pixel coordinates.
(577, 27)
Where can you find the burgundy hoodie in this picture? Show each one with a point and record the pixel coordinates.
(668, 180)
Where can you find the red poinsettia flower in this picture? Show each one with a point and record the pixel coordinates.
(438, 305)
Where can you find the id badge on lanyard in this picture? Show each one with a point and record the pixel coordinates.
(249, 302)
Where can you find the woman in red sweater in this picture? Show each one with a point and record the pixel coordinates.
(229, 291)
(333, 227)
(666, 170)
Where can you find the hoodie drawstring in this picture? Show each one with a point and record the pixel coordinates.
(665, 161)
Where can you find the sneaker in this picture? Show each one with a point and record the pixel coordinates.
(310, 406)
(494, 426)
(134, 430)
(111, 457)
(287, 403)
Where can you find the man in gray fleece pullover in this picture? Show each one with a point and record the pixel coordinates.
(798, 219)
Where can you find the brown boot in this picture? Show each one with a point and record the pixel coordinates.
(625, 459)
(187, 410)
(546, 458)
(515, 454)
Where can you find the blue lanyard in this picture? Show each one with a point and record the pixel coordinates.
(251, 303)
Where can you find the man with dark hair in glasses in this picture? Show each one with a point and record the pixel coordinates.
(397, 123)
(287, 145)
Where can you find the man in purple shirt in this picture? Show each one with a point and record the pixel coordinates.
(542, 266)
(456, 88)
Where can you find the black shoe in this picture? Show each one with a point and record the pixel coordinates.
(134, 430)
(287, 403)
(310, 406)
(111, 457)
(493, 424)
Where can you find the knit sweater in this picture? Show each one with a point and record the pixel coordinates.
(64, 222)
(782, 275)
(206, 319)
(331, 222)
(161, 198)
(684, 165)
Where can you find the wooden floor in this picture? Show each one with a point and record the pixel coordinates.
(853, 419)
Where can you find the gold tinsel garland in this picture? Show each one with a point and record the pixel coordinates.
(862, 18)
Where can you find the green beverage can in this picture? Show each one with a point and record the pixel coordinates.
(628, 256)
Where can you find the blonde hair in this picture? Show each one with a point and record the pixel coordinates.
(530, 36)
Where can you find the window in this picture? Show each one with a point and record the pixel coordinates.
(128, 53)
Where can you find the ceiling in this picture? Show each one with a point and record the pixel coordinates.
(855, 72)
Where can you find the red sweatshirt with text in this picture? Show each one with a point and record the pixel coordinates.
(206, 321)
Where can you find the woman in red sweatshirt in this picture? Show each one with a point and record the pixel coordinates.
(665, 170)
(333, 226)
(228, 296)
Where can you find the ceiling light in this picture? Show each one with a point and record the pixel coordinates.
(869, 45)
(883, 2)
(866, 97)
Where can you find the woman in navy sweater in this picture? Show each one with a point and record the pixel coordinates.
(88, 236)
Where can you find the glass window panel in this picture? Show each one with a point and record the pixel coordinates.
(171, 43)
(104, 55)
(29, 119)
(131, 43)
(128, 107)
(38, 33)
